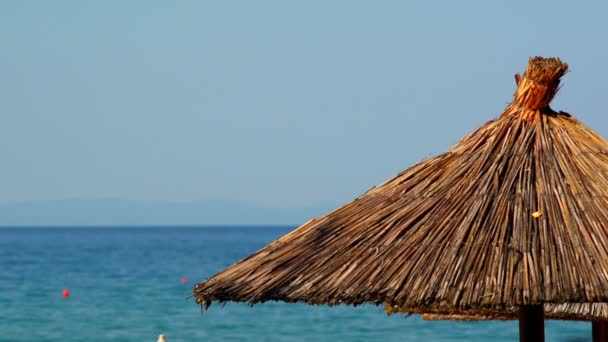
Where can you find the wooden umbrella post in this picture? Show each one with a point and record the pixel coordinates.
(595, 331)
(599, 330)
(531, 323)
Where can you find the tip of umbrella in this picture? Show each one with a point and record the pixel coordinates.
(539, 84)
(161, 338)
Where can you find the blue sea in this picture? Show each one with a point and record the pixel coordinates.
(125, 285)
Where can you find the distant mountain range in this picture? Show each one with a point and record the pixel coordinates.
(128, 212)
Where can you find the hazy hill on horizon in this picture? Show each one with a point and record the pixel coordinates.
(114, 212)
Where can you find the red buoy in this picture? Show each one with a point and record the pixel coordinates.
(184, 280)
(66, 293)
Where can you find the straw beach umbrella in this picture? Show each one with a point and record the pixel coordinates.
(513, 215)
(597, 313)
(564, 311)
(599, 328)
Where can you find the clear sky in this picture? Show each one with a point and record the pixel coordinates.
(277, 103)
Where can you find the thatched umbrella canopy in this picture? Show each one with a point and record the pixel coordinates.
(514, 215)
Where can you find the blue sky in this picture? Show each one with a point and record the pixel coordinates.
(277, 103)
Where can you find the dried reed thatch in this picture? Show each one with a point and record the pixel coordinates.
(470, 318)
(514, 214)
(566, 311)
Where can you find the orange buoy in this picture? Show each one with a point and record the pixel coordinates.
(184, 280)
(66, 293)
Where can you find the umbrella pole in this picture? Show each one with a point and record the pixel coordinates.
(531, 323)
(595, 331)
(599, 330)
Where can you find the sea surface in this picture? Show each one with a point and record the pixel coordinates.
(126, 285)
